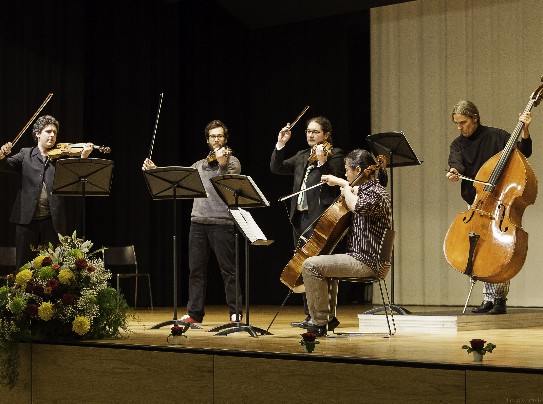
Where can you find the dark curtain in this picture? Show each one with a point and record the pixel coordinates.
(107, 62)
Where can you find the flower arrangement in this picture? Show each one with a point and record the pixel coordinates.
(62, 294)
(309, 340)
(477, 346)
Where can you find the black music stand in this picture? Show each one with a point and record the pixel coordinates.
(239, 191)
(399, 152)
(174, 183)
(82, 177)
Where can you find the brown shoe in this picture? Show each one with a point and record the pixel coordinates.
(485, 307)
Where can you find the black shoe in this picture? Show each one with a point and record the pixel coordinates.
(485, 307)
(302, 324)
(499, 307)
(318, 330)
(332, 324)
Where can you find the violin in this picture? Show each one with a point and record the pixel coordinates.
(326, 148)
(331, 227)
(72, 150)
(212, 157)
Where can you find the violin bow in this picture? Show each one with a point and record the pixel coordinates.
(44, 103)
(299, 116)
(320, 184)
(156, 126)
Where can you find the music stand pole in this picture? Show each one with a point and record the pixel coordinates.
(393, 144)
(174, 183)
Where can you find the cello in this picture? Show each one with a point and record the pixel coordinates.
(331, 227)
(487, 241)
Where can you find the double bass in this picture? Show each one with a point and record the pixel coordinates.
(331, 227)
(487, 242)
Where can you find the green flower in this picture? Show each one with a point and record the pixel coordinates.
(75, 252)
(4, 293)
(17, 305)
(45, 273)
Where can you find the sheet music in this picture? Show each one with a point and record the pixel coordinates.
(258, 192)
(248, 225)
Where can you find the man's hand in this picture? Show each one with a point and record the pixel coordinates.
(5, 150)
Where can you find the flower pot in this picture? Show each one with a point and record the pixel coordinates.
(477, 357)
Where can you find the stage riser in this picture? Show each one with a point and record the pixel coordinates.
(74, 374)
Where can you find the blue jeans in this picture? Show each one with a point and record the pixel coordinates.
(202, 239)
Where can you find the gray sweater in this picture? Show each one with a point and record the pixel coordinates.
(212, 210)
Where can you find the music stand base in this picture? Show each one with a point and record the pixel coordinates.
(230, 328)
(175, 322)
(393, 307)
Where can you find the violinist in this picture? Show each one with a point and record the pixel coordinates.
(307, 167)
(372, 216)
(212, 227)
(39, 215)
(468, 152)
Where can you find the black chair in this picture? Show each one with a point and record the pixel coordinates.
(385, 255)
(125, 257)
(7, 261)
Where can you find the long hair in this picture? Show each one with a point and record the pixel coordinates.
(325, 124)
(363, 159)
(466, 108)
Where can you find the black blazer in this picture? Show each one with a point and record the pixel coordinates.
(318, 199)
(29, 163)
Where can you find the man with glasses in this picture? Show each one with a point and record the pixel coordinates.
(468, 152)
(307, 207)
(212, 227)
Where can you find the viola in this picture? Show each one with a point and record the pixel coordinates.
(331, 227)
(72, 150)
(326, 148)
(487, 241)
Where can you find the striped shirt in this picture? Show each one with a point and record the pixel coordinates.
(371, 217)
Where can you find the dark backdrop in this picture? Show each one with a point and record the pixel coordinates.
(107, 61)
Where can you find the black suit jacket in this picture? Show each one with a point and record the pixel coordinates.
(319, 198)
(29, 163)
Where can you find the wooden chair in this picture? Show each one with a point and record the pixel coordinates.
(125, 257)
(7, 261)
(385, 255)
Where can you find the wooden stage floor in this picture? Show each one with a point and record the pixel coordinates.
(519, 348)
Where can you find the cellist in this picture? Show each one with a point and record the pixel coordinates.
(372, 216)
(468, 152)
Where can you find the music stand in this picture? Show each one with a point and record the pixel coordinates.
(400, 154)
(239, 191)
(82, 177)
(174, 183)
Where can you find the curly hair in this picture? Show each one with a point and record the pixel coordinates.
(41, 123)
(215, 124)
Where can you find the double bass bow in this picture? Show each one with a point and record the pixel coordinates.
(487, 241)
(330, 228)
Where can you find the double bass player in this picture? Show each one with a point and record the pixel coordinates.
(468, 152)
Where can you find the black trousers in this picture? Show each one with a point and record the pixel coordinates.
(28, 236)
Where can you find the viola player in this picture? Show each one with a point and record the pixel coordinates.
(307, 167)
(468, 152)
(39, 216)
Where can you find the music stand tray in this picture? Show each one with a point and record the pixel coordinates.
(174, 183)
(400, 154)
(240, 191)
(82, 177)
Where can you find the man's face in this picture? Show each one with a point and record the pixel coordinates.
(47, 137)
(314, 134)
(216, 138)
(466, 124)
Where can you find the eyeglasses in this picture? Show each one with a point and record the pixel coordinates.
(312, 132)
(216, 136)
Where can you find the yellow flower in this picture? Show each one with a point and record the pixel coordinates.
(23, 277)
(37, 261)
(66, 276)
(45, 311)
(81, 325)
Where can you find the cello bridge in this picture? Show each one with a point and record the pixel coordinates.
(484, 213)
